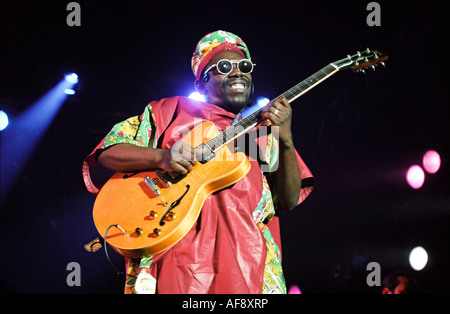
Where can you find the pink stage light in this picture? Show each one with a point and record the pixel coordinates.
(431, 161)
(415, 176)
(294, 290)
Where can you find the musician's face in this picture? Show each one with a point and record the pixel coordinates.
(229, 91)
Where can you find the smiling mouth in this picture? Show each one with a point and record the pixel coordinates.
(237, 86)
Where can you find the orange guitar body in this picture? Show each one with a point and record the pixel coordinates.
(146, 221)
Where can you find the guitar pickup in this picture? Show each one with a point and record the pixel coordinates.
(151, 184)
(165, 178)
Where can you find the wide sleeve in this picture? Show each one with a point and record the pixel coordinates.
(137, 130)
(271, 148)
(308, 179)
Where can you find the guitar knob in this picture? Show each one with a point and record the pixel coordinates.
(153, 214)
(170, 216)
(139, 231)
(156, 232)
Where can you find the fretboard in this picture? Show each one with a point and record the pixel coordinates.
(254, 119)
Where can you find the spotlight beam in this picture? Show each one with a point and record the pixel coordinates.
(20, 139)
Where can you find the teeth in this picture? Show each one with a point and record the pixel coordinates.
(237, 85)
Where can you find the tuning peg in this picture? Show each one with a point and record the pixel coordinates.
(383, 64)
(372, 67)
(361, 71)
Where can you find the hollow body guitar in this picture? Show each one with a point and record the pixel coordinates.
(150, 211)
(145, 213)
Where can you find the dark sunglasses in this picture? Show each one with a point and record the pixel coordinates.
(225, 66)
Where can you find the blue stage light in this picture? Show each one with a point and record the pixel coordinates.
(262, 101)
(71, 78)
(69, 91)
(197, 96)
(4, 121)
(29, 127)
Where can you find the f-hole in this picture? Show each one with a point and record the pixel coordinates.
(173, 205)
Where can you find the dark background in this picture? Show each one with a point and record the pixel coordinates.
(357, 133)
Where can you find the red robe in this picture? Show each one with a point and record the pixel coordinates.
(225, 251)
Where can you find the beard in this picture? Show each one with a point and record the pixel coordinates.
(229, 98)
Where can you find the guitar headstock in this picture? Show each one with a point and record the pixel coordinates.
(361, 61)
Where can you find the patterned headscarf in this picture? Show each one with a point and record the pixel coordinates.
(211, 45)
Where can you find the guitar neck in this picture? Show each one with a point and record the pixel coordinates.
(254, 119)
(304, 86)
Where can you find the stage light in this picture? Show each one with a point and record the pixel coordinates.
(197, 96)
(71, 78)
(69, 91)
(262, 101)
(415, 176)
(431, 161)
(29, 127)
(294, 290)
(418, 258)
(4, 121)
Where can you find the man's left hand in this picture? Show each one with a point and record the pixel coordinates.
(279, 112)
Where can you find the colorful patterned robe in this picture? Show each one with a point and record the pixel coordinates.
(234, 247)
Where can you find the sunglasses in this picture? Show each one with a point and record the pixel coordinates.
(225, 66)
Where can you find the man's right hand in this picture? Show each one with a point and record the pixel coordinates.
(180, 158)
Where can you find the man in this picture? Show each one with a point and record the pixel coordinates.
(234, 247)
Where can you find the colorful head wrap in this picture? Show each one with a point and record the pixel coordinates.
(211, 45)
